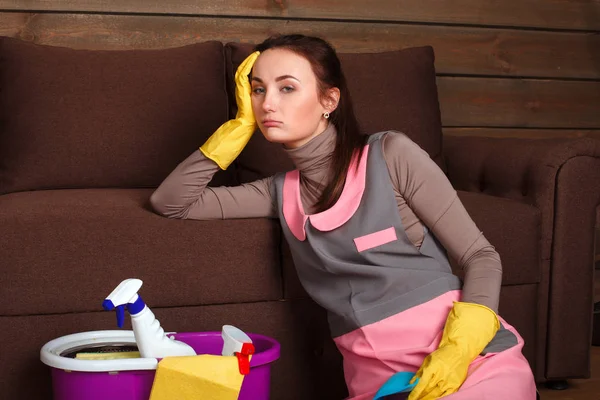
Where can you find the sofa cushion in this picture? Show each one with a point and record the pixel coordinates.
(393, 90)
(94, 118)
(66, 250)
(514, 229)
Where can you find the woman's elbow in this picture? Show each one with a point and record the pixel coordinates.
(159, 204)
(486, 256)
(492, 254)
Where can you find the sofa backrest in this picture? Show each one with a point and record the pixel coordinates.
(125, 118)
(393, 90)
(96, 118)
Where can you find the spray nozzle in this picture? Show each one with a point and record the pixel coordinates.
(125, 295)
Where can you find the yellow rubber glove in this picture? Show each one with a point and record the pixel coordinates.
(468, 330)
(229, 140)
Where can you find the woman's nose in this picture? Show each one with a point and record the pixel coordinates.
(269, 102)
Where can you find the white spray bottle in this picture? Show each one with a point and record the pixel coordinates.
(149, 335)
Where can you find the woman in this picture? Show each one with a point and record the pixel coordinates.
(369, 220)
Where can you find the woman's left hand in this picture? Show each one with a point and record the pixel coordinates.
(468, 330)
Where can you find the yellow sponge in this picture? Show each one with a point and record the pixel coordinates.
(108, 356)
(206, 377)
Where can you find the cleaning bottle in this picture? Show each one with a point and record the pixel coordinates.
(237, 343)
(149, 335)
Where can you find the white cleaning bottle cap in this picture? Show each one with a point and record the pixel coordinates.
(124, 294)
(233, 340)
(149, 335)
(237, 343)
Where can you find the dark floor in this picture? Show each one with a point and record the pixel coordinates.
(581, 389)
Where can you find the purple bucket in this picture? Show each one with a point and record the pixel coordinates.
(137, 384)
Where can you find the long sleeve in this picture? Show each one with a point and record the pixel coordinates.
(184, 194)
(434, 202)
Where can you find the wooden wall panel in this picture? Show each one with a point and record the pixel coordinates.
(553, 14)
(459, 50)
(496, 102)
(494, 78)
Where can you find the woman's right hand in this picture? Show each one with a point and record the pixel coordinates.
(229, 140)
(243, 89)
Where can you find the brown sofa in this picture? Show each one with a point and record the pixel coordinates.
(85, 136)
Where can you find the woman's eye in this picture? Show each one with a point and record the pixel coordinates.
(258, 90)
(287, 89)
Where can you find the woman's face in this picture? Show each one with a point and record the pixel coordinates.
(285, 98)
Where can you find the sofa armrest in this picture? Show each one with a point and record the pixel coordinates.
(561, 178)
(526, 170)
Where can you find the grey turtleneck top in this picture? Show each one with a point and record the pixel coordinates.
(424, 195)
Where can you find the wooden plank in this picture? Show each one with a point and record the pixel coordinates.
(565, 14)
(472, 51)
(464, 101)
(526, 103)
(524, 134)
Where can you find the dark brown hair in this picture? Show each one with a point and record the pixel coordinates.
(327, 68)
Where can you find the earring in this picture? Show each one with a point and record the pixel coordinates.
(326, 114)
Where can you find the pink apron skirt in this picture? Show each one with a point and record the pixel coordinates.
(401, 342)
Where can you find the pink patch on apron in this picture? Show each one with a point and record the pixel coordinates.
(401, 342)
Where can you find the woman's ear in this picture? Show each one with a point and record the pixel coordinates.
(332, 99)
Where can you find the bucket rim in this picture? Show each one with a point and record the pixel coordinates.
(50, 354)
(259, 358)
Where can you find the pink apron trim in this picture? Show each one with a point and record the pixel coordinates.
(338, 214)
(292, 205)
(375, 239)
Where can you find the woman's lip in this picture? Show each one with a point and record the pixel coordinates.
(271, 123)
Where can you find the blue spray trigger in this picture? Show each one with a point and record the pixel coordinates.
(120, 315)
(397, 383)
(108, 305)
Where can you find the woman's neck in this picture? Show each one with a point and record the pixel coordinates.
(313, 159)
